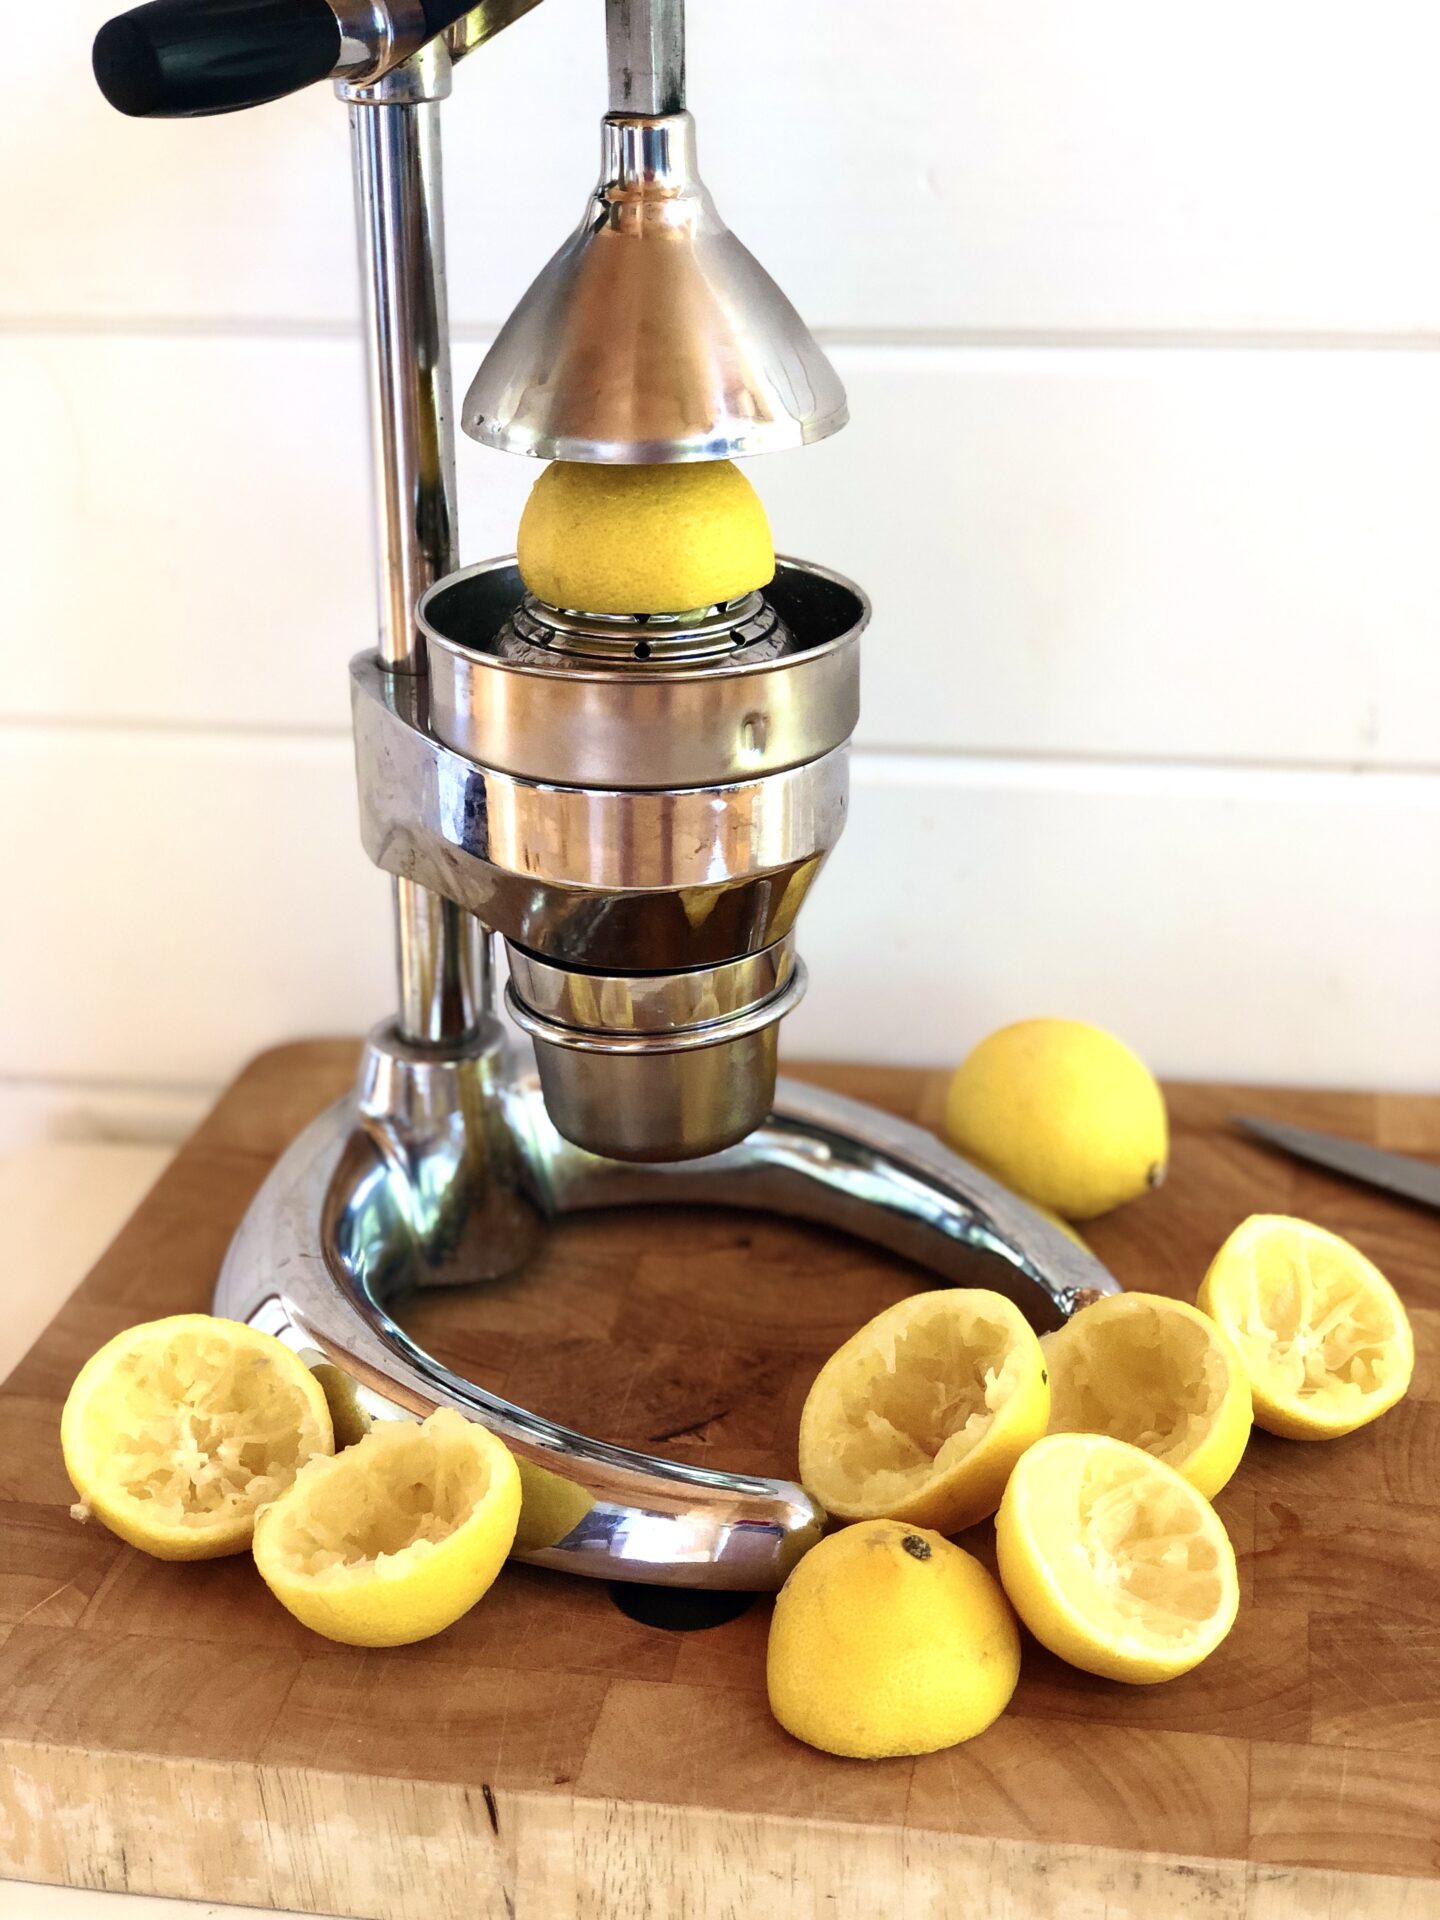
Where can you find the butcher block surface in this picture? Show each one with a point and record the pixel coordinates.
(170, 1729)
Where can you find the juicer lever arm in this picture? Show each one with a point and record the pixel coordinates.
(171, 59)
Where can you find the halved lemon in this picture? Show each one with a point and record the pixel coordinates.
(394, 1539)
(643, 539)
(1113, 1560)
(1155, 1372)
(1323, 1335)
(921, 1414)
(887, 1639)
(177, 1432)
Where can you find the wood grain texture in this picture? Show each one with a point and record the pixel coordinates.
(170, 1729)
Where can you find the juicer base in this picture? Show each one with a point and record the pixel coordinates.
(445, 1170)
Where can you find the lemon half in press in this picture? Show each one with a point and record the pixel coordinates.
(1155, 1372)
(397, 1537)
(177, 1432)
(921, 1415)
(643, 540)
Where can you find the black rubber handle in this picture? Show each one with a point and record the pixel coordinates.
(173, 58)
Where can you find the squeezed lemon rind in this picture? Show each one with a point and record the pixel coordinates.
(1295, 1415)
(1121, 1656)
(167, 1530)
(932, 1500)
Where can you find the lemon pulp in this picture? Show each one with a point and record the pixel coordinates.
(643, 540)
(394, 1539)
(1113, 1560)
(178, 1431)
(922, 1413)
(1323, 1335)
(1158, 1373)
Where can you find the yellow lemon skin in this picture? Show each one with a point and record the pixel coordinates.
(1321, 1332)
(1156, 1372)
(1113, 1560)
(1062, 1112)
(394, 1539)
(550, 1507)
(921, 1415)
(178, 1431)
(1049, 1215)
(885, 1640)
(619, 540)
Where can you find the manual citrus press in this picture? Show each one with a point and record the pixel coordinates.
(636, 806)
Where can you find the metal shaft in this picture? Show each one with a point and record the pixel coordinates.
(442, 953)
(646, 41)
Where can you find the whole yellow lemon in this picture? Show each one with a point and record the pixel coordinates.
(623, 540)
(1062, 1112)
(886, 1639)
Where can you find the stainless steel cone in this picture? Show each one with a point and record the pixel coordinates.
(653, 335)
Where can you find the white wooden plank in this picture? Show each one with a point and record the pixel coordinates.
(1191, 554)
(1006, 165)
(1230, 925)
(1187, 554)
(190, 900)
(201, 898)
(189, 527)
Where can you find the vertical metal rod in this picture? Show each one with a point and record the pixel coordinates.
(442, 953)
(646, 43)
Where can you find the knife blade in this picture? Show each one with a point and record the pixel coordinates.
(1397, 1173)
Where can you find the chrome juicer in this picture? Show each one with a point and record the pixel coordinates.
(636, 806)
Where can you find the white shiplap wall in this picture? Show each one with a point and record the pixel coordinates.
(1137, 307)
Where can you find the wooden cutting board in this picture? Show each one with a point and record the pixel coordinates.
(171, 1729)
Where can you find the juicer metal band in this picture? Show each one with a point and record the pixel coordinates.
(578, 722)
(427, 809)
(654, 1003)
(708, 1033)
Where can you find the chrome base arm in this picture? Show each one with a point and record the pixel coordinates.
(440, 1171)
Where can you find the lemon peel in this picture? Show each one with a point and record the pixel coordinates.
(887, 1639)
(643, 540)
(1062, 1112)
